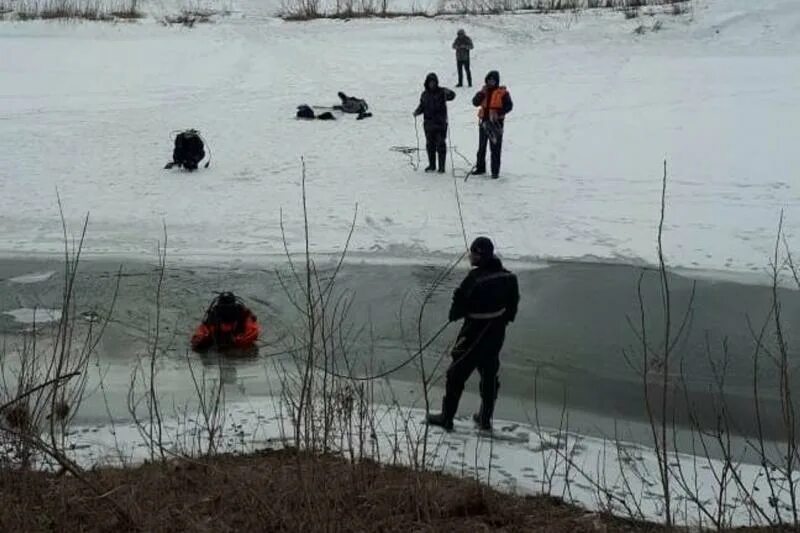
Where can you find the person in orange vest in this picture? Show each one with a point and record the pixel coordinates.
(494, 103)
(227, 323)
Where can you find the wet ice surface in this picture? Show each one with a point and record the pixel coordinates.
(520, 457)
(34, 277)
(568, 339)
(30, 316)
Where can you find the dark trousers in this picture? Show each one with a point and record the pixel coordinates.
(436, 144)
(495, 147)
(478, 347)
(461, 66)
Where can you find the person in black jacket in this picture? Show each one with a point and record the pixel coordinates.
(433, 107)
(487, 300)
(494, 103)
(462, 45)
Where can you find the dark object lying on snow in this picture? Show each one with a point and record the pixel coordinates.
(305, 112)
(351, 104)
(189, 151)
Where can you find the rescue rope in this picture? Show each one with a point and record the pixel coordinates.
(416, 132)
(454, 150)
(407, 151)
(392, 370)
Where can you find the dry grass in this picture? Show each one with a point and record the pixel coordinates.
(303, 10)
(281, 491)
(189, 17)
(93, 10)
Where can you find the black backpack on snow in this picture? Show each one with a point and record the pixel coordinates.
(189, 151)
(305, 112)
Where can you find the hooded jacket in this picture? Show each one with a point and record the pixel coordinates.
(489, 292)
(433, 103)
(495, 100)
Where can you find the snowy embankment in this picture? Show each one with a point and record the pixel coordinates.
(602, 475)
(87, 110)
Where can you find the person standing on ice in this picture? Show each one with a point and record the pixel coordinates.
(487, 300)
(462, 45)
(494, 103)
(433, 107)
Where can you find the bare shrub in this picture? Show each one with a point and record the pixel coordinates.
(300, 10)
(189, 18)
(94, 10)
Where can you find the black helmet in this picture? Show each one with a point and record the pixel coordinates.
(483, 247)
(226, 308)
(226, 298)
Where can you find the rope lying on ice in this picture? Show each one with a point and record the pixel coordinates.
(416, 133)
(454, 150)
(440, 278)
(409, 152)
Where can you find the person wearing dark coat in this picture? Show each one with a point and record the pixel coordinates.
(188, 152)
(433, 107)
(494, 103)
(351, 104)
(487, 300)
(462, 45)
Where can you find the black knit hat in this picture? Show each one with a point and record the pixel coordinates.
(482, 246)
(493, 74)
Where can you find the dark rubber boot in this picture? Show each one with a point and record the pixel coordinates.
(440, 420)
(431, 162)
(442, 162)
(483, 425)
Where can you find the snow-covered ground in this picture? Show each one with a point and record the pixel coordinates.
(86, 110)
(598, 474)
